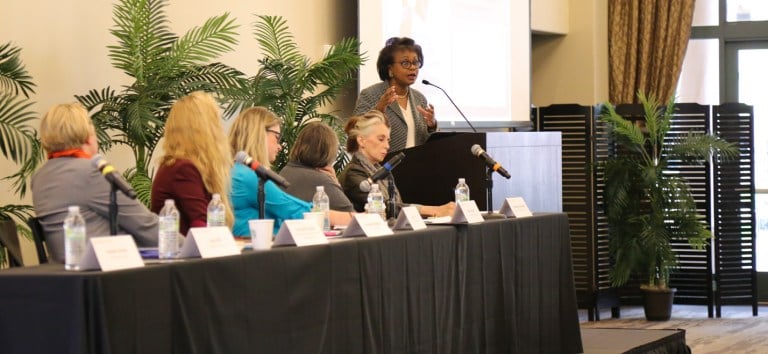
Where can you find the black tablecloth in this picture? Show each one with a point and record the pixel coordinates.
(498, 287)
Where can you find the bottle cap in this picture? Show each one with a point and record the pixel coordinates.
(169, 202)
(320, 188)
(461, 180)
(216, 196)
(73, 209)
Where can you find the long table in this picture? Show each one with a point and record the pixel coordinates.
(501, 286)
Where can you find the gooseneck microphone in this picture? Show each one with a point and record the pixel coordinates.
(479, 152)
(108, 171)
(425, 82)
(386, 168)
(263, 172)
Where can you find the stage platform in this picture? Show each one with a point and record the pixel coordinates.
(633, 341)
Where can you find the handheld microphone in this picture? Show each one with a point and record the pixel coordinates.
(479, 152)
(386, 168)
(108, 171)
(425, 82)
(263, 172)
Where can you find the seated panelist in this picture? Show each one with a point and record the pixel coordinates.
(311, 164)
(368, 142)
(69, 178)
(196, 161)
(256, 131)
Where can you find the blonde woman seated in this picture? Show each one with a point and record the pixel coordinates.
(257, 132)
(69, 178)
(311, 164)
(196, 163)
(368, 142)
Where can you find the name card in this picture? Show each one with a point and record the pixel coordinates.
(301, 232)
(369, 225)
(111, 253)
(409, 217)
(468, 212)
(209, 242)
(515, 207)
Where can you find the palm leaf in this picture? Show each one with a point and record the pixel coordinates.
(200, 44)
(143, 36)
(15, 134)
(275, 38)
(13, 76)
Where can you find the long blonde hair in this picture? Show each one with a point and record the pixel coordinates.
(194, 132)
(249, 133)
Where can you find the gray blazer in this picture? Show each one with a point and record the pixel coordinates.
(303, 181)
(367, 100)
(66, 181)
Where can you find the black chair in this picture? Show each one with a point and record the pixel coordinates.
(9, 239)
(39, 237)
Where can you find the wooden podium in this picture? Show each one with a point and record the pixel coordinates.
(430, 171)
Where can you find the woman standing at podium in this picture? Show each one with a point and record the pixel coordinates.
(408, 114)
(368, 142)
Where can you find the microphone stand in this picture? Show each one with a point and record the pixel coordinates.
(391, 210)
(489, 214)
(262, 196)
(113, 209)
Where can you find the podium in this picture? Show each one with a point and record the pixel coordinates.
(430, 171)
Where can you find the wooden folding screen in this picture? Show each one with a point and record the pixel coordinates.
(735, 225)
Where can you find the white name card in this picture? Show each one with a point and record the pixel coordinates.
(111, 253)
(515, 207)
(209, 242)
(468, 212)
(369, 225)
(409, 217)
(300, 232)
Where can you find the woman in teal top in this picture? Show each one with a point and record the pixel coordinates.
(257, 132)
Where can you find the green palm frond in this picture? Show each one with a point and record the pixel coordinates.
(141, 28)
(15, 133)
(141, 183)
(13, 76)
(201, 44)
(623, 130)
(275, 38)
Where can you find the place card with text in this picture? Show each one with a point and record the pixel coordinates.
(515, 207)
(468, 212)
(409, 218)
(111, 253)
(300, 232)
(209, 242)
(369, 225)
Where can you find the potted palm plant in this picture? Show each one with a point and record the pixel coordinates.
(164, 67)
(647, 206)
(18, 140)
(293, 86)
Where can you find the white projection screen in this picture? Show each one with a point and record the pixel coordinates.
(478, 51)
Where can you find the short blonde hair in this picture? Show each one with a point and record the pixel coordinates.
(316, 146)
(362, 125)
(194, 132)
(65, 126)
(249, 133)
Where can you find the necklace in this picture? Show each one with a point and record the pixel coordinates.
(405, 95)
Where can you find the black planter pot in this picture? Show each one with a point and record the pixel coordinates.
(658, 303)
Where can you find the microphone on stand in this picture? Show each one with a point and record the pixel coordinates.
(263, 172)
(386, 168)
(109, 172)
(425, 82)
(495, 166)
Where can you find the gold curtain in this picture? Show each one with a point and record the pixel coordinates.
(647, 40)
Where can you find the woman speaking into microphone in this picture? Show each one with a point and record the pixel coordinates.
(368, 142)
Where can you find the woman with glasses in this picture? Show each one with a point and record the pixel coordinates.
(410, 117)
(257, 132)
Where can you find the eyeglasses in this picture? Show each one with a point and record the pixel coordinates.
(410, 64)
(278, 134)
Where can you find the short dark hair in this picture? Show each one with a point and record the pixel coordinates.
(316, 146)
(387, 54)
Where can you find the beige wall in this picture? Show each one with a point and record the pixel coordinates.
(64, 44)
(573, 68)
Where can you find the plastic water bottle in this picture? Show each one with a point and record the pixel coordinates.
(376, 202)
(74, 238)
(461, 191)
(216, 215)
(320, 203)
(168, 242)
